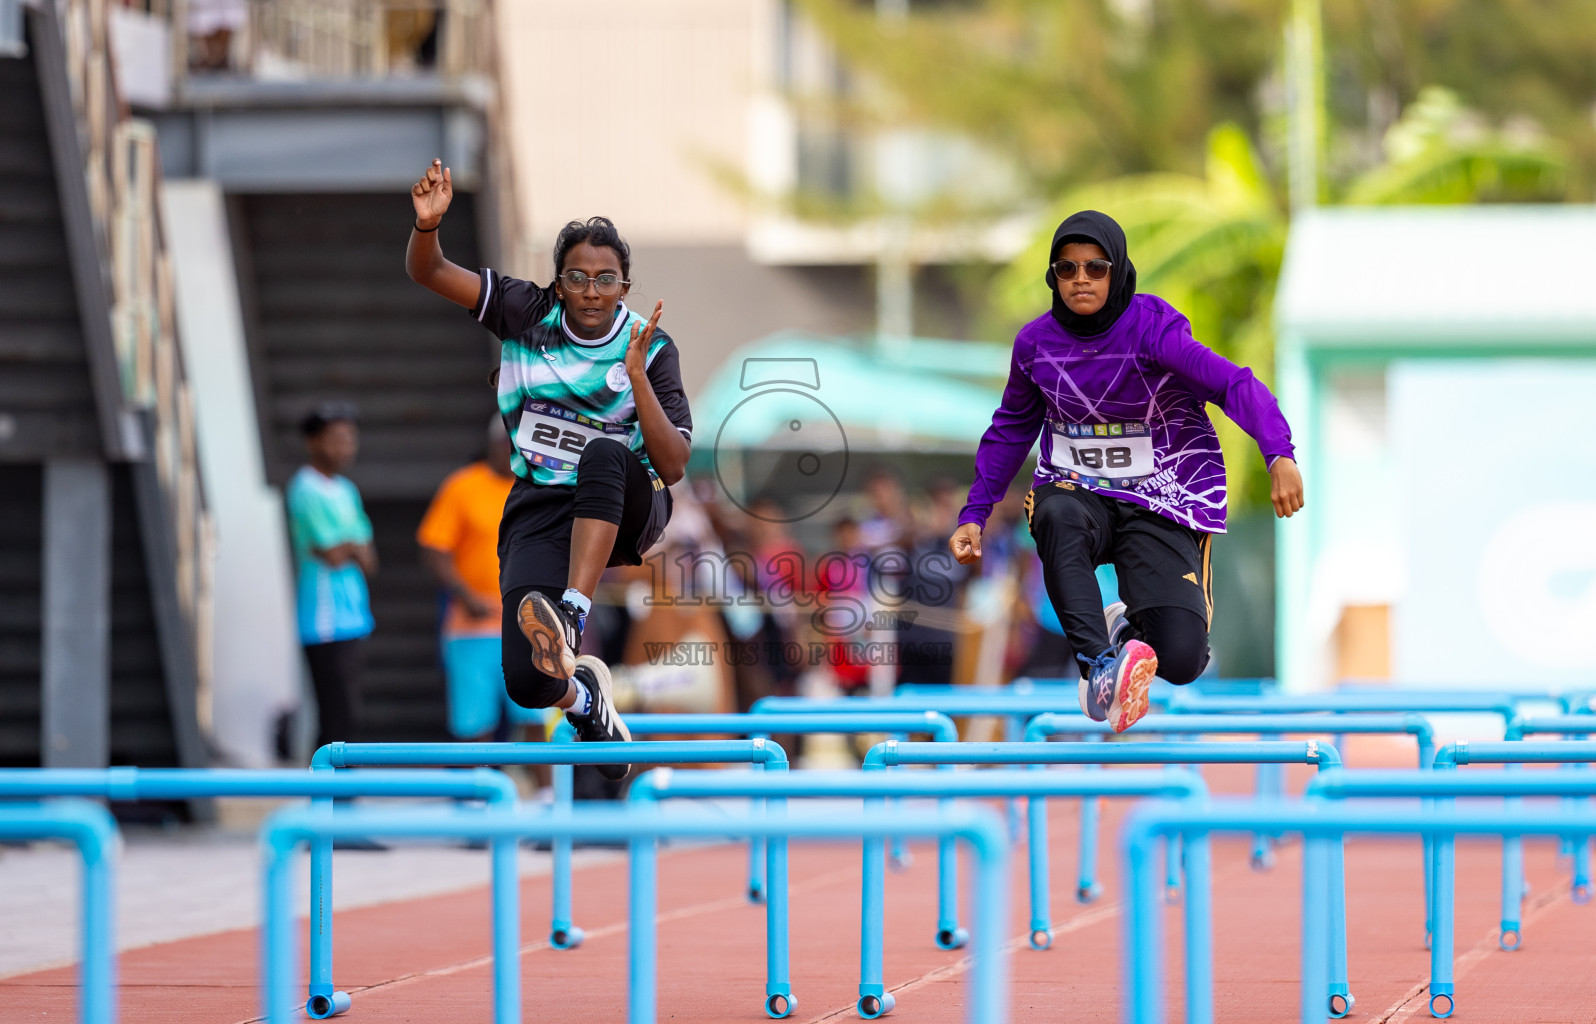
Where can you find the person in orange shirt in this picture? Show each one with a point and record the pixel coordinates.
(459, 538)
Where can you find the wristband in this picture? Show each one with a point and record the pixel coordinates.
(426, 231)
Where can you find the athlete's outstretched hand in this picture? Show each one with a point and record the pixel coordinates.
(966, 543)
(431, 195)
(1285, 487)
(637, 350)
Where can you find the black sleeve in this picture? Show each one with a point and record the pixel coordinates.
(665, 376)
(508, 306)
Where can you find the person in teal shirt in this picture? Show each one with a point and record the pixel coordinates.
(333, 556)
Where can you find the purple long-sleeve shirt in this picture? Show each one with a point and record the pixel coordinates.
(1123, 414)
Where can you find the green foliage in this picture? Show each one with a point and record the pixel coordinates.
(1069, 90)
(1109, 104)
(1441, 152)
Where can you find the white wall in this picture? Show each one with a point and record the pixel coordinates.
(624, 113)
(1497, 510)
(258, 667)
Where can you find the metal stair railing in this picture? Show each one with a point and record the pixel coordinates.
(152, 409)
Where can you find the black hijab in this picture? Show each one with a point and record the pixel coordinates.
(1100, 229)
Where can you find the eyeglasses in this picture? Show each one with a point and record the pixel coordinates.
(1095, 269)
(606, 284)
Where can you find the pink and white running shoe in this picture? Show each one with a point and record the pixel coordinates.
(1115, 690)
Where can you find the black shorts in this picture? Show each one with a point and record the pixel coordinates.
(535, 533)
(1159, 562)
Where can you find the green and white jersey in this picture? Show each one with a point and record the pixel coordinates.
(557, 392)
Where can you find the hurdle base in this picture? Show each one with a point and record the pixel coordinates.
(1341, 1001)
(952, 938)
(1088, 893)
(321, 1005)
(875, 1003)
(1511, 937)
(780, 1002)
(568, 937)
(1041, 936)
(1442, 1004)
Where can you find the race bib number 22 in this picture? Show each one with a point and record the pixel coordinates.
(553, 436)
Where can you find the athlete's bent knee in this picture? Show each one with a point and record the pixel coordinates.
(602, 451)
(1180, 638)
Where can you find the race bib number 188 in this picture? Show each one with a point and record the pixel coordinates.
(1113, 454)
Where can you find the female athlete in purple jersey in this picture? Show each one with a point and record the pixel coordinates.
(1130, 470)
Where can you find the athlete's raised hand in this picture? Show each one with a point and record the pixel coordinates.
(637, 349)
(966, 543)
(1285, 487)
(431, 195)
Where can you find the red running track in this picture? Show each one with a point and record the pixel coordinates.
(426, 960)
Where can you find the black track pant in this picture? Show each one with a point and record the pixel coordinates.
(1162, 568)
(612, 485)
(335, 670)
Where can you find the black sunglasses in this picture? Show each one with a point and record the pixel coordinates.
(1095, 269)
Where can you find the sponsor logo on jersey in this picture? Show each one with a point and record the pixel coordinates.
(617, 378)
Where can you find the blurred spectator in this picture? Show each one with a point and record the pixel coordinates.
(890, 523)
(841, 577)
(333, 555)
(211, 26)
(937, 582)
(459, 539)
(770, 565)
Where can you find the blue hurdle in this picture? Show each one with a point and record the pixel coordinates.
(1362, 702)
(1015, 707)
(562, 934)
(1566, 725)
(1034, 754)
(641, 828)
(1342, 785)
(1354, 702)
(91, 829)
(1509, 754)
(1044, 726)
(1322, 826)
(874, 999)
(904, 723)
(134, 784)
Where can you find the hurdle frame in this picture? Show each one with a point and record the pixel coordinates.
(1042, 727)
(1510, 754)
(893, 754)
(1442, 787)
(1015, 708)
(287, 829)
(901, 723)
(874, 1000)
(92, 831)
(1323, 825)
(1576, 720)
(334, 757)
(132, 785)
